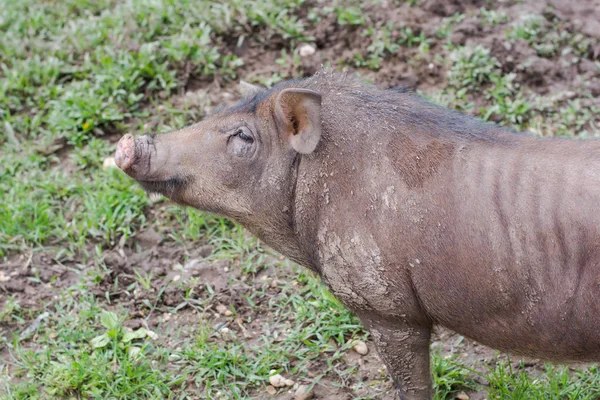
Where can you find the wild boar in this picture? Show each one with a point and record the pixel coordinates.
(412, 214)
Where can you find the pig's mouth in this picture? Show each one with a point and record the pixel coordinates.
(141, 160)
(167, 187)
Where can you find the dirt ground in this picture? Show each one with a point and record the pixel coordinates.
(37, 278)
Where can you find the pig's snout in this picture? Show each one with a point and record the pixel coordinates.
(125, 154)
(134, 155)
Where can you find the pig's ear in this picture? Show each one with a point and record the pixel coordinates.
(247, 89)
(298, 116)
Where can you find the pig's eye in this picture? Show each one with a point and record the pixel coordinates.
(241, 142)
(242, 134)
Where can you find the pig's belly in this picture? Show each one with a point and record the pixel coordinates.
(548, 318)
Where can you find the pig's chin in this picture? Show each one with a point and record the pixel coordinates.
(169, 187)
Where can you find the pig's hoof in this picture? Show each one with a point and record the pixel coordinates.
(125, 154)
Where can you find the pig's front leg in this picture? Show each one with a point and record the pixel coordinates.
(405, 351)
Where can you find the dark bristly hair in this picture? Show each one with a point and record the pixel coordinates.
(402, 105)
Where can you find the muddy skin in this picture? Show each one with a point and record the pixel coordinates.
(413, 215)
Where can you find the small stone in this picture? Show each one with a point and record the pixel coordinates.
(133, 323)
(166, 317)
(228, 313)
(225, 331)
(176, 278)
(155, 197)
(360, 347)
(109, 162)
(221, 309)
(462, 396)
(274, 283)
(190, 264)
(303, 393)
(271, 390)
(177, 267)
(279, 381)
(152, 335)
(307, 50)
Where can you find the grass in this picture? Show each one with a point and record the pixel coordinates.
(76, 74)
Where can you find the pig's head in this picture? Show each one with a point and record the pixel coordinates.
(239, 162)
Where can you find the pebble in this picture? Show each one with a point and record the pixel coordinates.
(271, 390)
(109, 162)
(221, 309)
(303, 393)
(178, 267)
(228, 313)
(279, 381)
(462, 396)
(307, 50)
(152, 335)
(360, 347)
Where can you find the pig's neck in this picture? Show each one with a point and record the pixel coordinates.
(274, 216)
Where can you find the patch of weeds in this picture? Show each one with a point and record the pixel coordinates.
(220, 363)
(194, 225)
(492, 17)
(11, 311)
(507, 102)
(549, 38)
(471, 67)
(350, 15)
(90, 157)
(448, 24)
(572, 118)
(51, 206)
(449, 377)
(382, 44)
(144, 279)
(277, 16)
(530, 28)
(77, 358)
(506, 381)
(409, 38)
(386, 41)
(474, 71)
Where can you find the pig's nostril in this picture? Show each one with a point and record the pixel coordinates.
(125, 152)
